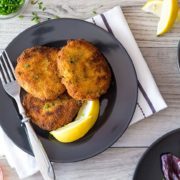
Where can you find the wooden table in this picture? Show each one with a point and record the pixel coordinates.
(119, 161)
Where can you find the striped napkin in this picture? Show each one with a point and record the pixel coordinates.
(149, 102)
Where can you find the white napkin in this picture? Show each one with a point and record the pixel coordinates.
(23, 163)
(149, 102)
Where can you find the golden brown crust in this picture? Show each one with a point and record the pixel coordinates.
(50, 115)
(83, 69)
(36, 72)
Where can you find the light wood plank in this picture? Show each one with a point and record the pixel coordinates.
(143, 25)
(112, 164)
(163, 65)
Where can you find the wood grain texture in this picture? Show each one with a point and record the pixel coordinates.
(163, 65)
(143, 25)
(115, 163)
(160, 53)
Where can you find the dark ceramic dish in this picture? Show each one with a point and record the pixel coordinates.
(179, 55)
(117, 106)
(149, 166)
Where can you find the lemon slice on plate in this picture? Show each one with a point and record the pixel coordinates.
(84, 121)
(155, 6)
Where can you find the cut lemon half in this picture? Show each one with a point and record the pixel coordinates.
(155, 6)
(84, 121)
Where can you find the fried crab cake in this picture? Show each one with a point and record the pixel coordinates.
(84, 70)
(50, 115)
(36, 72)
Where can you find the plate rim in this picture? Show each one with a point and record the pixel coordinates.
(134, 71)
(157, 141)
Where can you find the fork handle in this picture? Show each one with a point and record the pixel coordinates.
(41, 157)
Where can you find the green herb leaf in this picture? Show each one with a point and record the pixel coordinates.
(49, 105)
(26, 65)
(44, 8)
(46, 106)
(35, 17)
(40, 5)
(94, 12)
(21, 16)
(56, 17)
(33, 2)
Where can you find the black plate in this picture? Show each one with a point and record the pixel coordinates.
(117, 106)
(178, 55)
(149, 166)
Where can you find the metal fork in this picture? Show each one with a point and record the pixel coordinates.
(13, 89)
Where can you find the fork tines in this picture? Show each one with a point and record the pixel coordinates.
(6, 69)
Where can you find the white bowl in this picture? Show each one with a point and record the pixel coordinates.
(20, 10)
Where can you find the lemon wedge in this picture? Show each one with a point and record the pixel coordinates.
(178, 16)
(84, 121)
(168, 16)
(155, 6)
